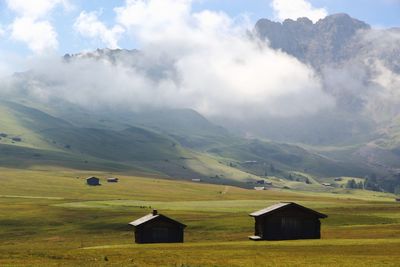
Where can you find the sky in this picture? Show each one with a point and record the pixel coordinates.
(69, 26)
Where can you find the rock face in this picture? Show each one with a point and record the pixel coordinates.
(324, 42)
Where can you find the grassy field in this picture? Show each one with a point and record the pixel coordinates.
(49, 217)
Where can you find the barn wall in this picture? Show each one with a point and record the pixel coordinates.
(93, 182)
(289, 224)
(159, 231)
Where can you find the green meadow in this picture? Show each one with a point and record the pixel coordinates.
(50, 217)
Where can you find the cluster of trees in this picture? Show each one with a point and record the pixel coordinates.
(372, 183)
(352, 184)
(390, 183)
(298, 179)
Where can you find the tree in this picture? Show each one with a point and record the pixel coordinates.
(371, 183)
(360, 185)
(272, 168)
(351, 184)
(308, 181)
(397, 190)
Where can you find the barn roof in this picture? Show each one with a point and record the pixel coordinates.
(151, 217)
(283, 205)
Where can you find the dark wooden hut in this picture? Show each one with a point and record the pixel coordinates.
(287, 221)
(112, 180)
(157, 228)
(93, 181)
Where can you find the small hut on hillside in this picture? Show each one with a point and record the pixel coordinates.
(112, 180)
(93, 181)
(157, 228)
(287, 221)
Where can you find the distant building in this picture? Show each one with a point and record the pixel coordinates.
(261, 182)
(112, 180)
(93, 181)
(287, 221)
(398, 199)
(250, 162)
(260, 188)
(157, 228)
(327, 184)
(338, 179)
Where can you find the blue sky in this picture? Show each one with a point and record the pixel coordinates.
(62, 15)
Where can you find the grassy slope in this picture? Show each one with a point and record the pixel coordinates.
(48, 140)
(52, 218)
(288, 158)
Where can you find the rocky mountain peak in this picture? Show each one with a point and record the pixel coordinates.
(313, 43)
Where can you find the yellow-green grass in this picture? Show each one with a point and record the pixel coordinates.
(51, 218)
(211, 166)
(9, 125)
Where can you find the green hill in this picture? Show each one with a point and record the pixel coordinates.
(179, 144)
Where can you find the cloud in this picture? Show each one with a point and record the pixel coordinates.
(367, 82)
(31, 26)
(89, 25)
(2, 31)
(38, 35)
(35, 9)
(149, 16)
(294, 9)
(200, 60)
(383, 102)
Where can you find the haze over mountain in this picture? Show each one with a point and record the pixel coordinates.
(359, 67)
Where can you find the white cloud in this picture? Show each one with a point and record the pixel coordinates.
(204, 61)
(89, 25)
(166, 17)
(38, 35)
(2, 31)
(31, 26)
(35, 9)
(294, 9)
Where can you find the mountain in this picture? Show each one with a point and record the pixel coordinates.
(358, 65)
(324, 42)
(349, 56)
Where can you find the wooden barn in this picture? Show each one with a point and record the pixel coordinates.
(287, 221)
(157, 228)
(93, 181)
(112, 180)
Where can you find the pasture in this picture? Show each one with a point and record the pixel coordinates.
(50, 217)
